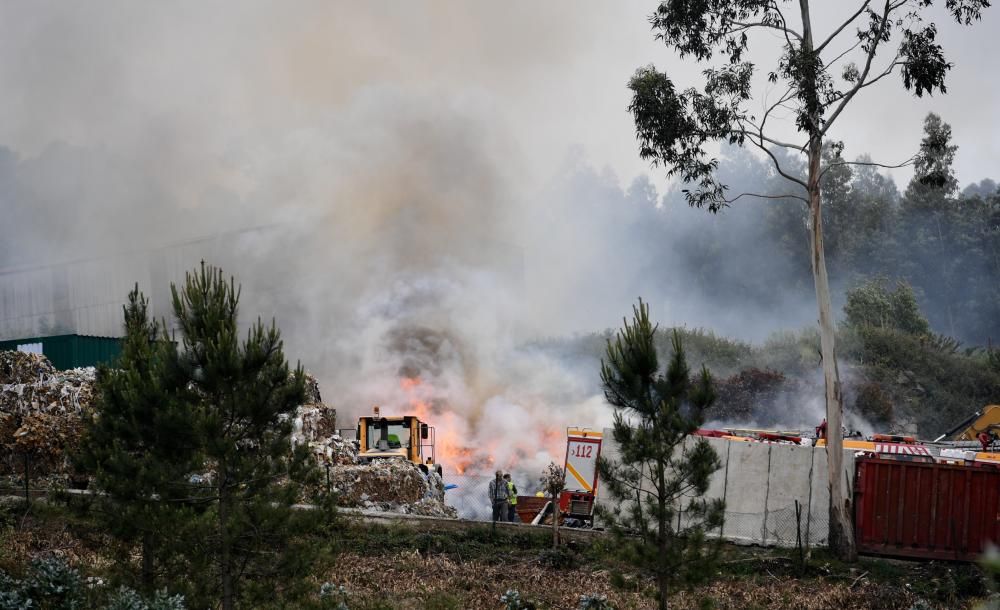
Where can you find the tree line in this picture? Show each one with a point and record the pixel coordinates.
(941, 240)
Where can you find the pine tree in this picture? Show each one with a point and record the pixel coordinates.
(140, 446)
(661, 476)
(246, 398)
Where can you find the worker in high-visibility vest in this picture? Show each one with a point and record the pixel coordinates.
(512, 498)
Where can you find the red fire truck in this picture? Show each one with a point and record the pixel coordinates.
(583, 447)
(576, 503)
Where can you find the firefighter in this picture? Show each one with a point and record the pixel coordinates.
(821, 430)
(512, 498)
(984, 440)
(498, 497)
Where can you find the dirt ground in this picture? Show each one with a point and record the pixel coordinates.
(411, 580)
(470, 567)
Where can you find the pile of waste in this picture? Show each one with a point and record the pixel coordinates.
(390, 486)
(395, 481)
(334, 451)
(41, 412)
(315, 424)
(314, 420)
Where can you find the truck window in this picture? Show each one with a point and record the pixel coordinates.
(396, 435)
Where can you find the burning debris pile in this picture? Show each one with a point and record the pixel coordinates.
(41, 412)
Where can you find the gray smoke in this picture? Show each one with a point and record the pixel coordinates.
(395, 183)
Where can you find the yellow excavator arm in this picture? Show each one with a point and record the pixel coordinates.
(986, 420)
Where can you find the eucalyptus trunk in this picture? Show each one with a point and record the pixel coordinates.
(841, 532)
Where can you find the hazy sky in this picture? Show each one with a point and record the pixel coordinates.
(193, 84)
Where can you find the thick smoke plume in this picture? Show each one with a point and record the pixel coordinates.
(405, 204)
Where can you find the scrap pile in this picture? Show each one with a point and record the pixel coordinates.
(390, 486)
(314, 420)
(334, 451)
(41, 412)
(316, 425)
(383, 481)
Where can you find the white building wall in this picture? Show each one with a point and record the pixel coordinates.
(760, 484)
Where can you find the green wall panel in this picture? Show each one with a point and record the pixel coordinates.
(72, 351)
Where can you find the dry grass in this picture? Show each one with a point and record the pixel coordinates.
(36, 534)
(407, 579)
(381, 570)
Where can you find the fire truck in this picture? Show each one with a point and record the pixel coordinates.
(576, 503)
(583, 447)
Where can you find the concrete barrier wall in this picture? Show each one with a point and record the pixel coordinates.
(761, 484)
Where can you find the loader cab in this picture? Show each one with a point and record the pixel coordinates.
(398, 437)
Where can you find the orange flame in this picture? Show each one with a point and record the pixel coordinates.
(450, 451)
(459, 450)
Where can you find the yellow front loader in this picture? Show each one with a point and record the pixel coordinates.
(398, 437)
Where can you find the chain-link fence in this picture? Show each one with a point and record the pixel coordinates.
(470, 495)
(784, 527)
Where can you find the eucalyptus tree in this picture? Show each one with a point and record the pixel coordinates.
(817, 75)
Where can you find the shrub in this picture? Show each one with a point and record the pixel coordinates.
(512, 600)
(742, 395)
(594, 602)
(442, 601)
(560, 557)
(50, 583)
(940, 388)
(127, 599)
(873, 403)
(333, 596)
(873, 304)
(12, 595)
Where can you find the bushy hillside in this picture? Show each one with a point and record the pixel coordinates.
(894, 380)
